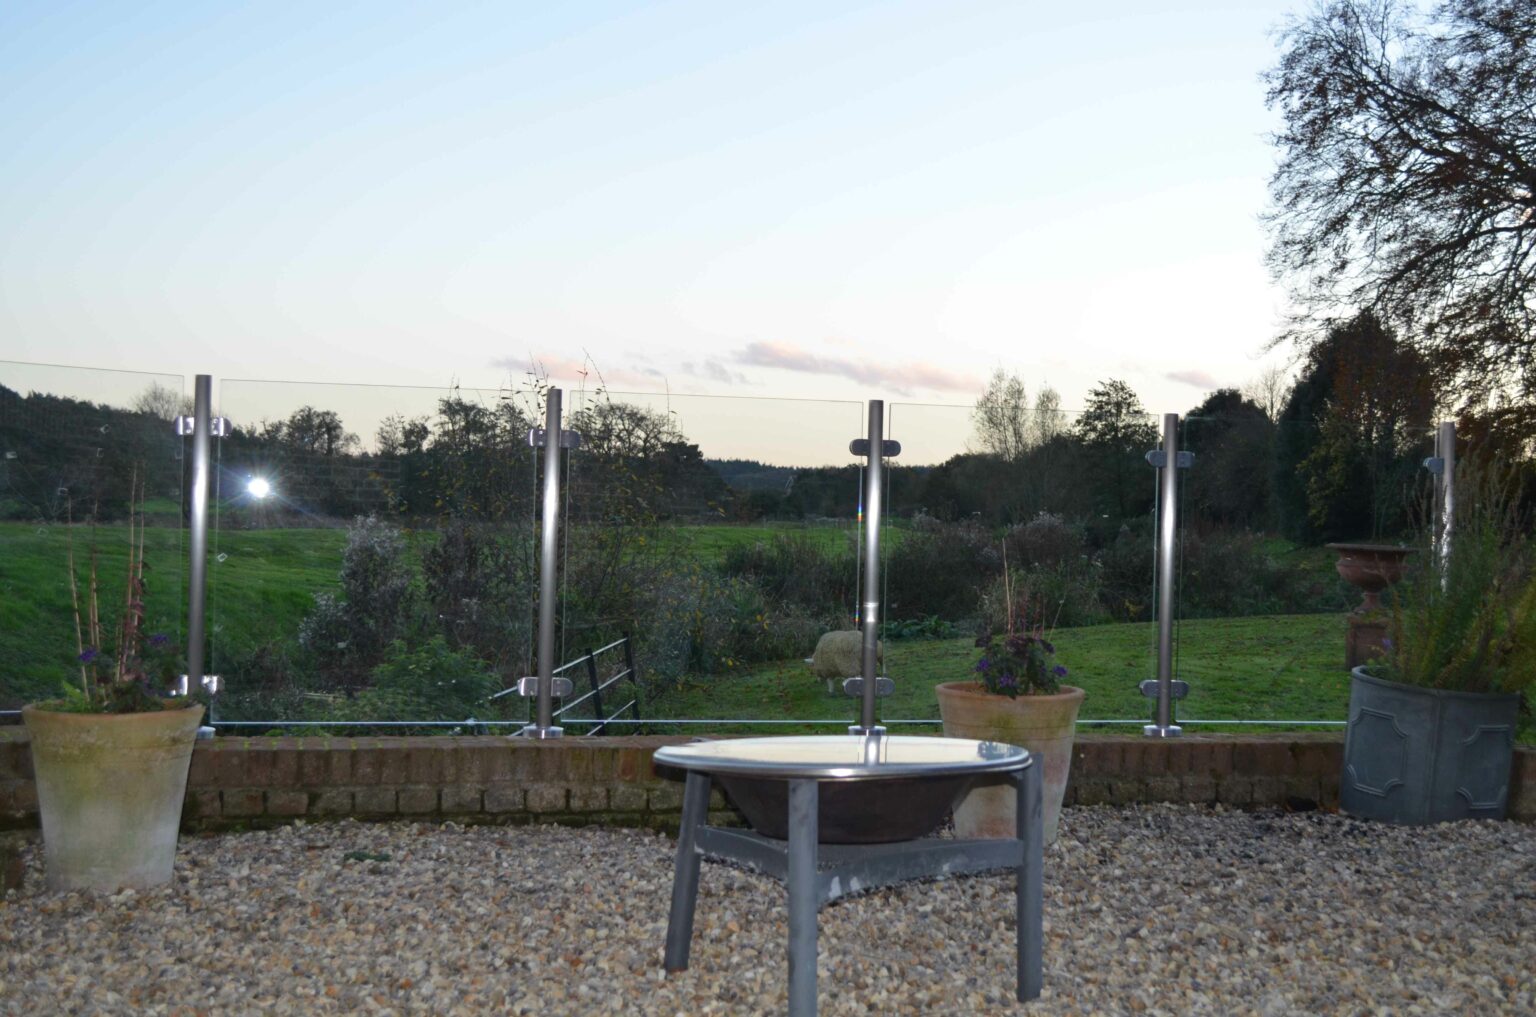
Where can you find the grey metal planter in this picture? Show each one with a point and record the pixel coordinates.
(1415, 755)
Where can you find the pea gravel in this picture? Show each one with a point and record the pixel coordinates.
(1151, 910)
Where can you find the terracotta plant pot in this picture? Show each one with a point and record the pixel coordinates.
(1045, 725)
(110, 789)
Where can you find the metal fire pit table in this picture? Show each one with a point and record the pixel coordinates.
(857, 769)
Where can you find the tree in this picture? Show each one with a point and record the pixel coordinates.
(1352, 434)
(1006, 425)
(1269, 391)
(1230, 436)
(1001, 416)
(162, 401)
(1113, 418)
(1116, 432)
(1407, 179)
(318, 432)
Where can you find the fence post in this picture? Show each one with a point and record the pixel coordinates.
(1445, 486)
(1163, 689)
(545, 686)
(202, 426)
(869, 684)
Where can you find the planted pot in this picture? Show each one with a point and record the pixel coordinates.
(1416, 755)
(1044, 725)
(110, 789)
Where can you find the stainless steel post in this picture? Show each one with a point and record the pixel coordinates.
(874, 483)
(197, 578)
(1167, 538)
(1445, 485)
(549, 565)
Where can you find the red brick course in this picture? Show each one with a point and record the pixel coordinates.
(253, 781)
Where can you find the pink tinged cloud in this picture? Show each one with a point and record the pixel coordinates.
(1196, 378)
(900, 378)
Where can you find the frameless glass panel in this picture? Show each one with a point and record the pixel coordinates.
(719, 534)
(1266, 622)
(82, 452)
(1040, 517)
(375, 555)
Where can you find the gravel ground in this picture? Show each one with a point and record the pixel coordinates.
(1150, 910)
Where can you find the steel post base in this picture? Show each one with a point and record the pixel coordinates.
(815, 874)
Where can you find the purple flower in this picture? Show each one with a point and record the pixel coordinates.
(90, 654)
(1059, 671)
(159, 640)
(1047, 646)
(983, 664)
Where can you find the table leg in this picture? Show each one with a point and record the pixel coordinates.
(685, 877)
(1031, 891)
(803, 902)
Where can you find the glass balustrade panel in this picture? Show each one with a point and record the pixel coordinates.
(91, 472)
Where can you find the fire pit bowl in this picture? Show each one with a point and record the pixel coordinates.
(904, 793)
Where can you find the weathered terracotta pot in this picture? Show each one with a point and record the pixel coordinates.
(1045, 725)
(110, 789)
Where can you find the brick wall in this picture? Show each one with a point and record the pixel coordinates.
(259, 781)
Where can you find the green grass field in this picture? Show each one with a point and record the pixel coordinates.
(1282, 667)
(260, 585)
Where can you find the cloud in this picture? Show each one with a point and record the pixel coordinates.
(713, 370)
(1196, 378)
(899, 378)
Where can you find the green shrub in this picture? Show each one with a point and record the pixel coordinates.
(428, 682)
(940, 569)
(797, 571)
(348, 634)
(481, 585)
(1047, 541)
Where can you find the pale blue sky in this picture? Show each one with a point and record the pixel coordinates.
(814, 199)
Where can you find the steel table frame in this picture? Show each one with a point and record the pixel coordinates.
(815, 874)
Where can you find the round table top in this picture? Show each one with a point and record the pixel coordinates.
(841, 757)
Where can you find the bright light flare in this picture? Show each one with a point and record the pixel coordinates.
(258, 487)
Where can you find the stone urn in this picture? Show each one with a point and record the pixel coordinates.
(1371, 569)
(1044, 725)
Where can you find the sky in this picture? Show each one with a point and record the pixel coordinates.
(795, 201)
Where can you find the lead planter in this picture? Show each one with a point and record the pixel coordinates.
(1045, 725)
(1414, 755)
(109, 790)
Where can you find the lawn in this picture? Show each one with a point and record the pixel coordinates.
(260, 584)
(1281, 667)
